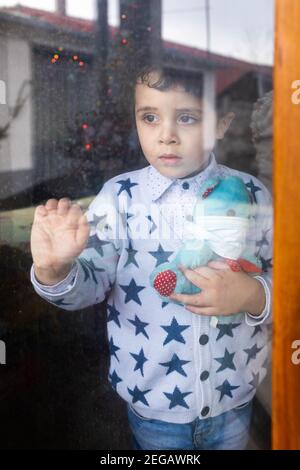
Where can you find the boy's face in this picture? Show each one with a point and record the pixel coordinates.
(169, 126)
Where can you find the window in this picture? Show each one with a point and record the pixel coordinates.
(67, 126)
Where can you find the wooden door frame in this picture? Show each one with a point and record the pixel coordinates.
(286, 185)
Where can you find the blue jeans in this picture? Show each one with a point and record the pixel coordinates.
(228, 431)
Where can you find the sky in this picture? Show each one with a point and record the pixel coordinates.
(239, 28)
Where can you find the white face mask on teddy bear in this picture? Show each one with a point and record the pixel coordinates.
(225, 235)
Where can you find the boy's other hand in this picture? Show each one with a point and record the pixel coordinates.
(224, 292)
(59, 234)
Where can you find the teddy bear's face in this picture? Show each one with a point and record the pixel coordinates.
(225, 197)
(221, 216)
(216, 207)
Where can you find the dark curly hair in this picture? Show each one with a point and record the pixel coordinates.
(164, 78)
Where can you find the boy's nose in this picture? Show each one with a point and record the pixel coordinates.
(168, 136)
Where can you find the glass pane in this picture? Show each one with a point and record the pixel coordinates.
(170, 105)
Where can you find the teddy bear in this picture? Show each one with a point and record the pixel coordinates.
(218, 231)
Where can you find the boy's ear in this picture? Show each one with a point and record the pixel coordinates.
(224, 124)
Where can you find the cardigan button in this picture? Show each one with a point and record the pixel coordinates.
(203, 340)
(204, 376)
(205, 411)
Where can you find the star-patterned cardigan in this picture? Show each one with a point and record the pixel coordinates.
(167, 362)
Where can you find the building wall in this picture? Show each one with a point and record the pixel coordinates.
(209, 109)
(4, 144)
(15, 69)
(20, 153)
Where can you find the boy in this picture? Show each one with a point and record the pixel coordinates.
(188, 384)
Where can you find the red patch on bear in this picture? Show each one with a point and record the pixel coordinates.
(249, 267)
(165, 283)
(234, 265)
(207, 192)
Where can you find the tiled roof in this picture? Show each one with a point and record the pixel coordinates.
(229, 68)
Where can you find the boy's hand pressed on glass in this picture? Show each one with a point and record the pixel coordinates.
(59, 234)
(225, 292)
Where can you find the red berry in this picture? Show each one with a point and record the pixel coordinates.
(165, 283)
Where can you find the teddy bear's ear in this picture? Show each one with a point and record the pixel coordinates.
(208, 187)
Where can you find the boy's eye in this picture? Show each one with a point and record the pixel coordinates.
(186, 119)
(149, 118)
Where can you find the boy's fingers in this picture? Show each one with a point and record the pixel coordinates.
(206, 272)
(83, 221)
(221, 265)
(40, 211)
(51, 204)
(73, 215)
(83, 231)
(189, 299)
(63, 206)
(197, 277)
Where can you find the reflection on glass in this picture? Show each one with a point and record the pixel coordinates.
(69, 122)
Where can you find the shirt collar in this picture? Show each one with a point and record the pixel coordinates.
(158, 184)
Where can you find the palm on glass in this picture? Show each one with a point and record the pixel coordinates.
(59, 234)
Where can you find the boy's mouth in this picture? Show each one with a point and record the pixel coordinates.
(170, 158)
